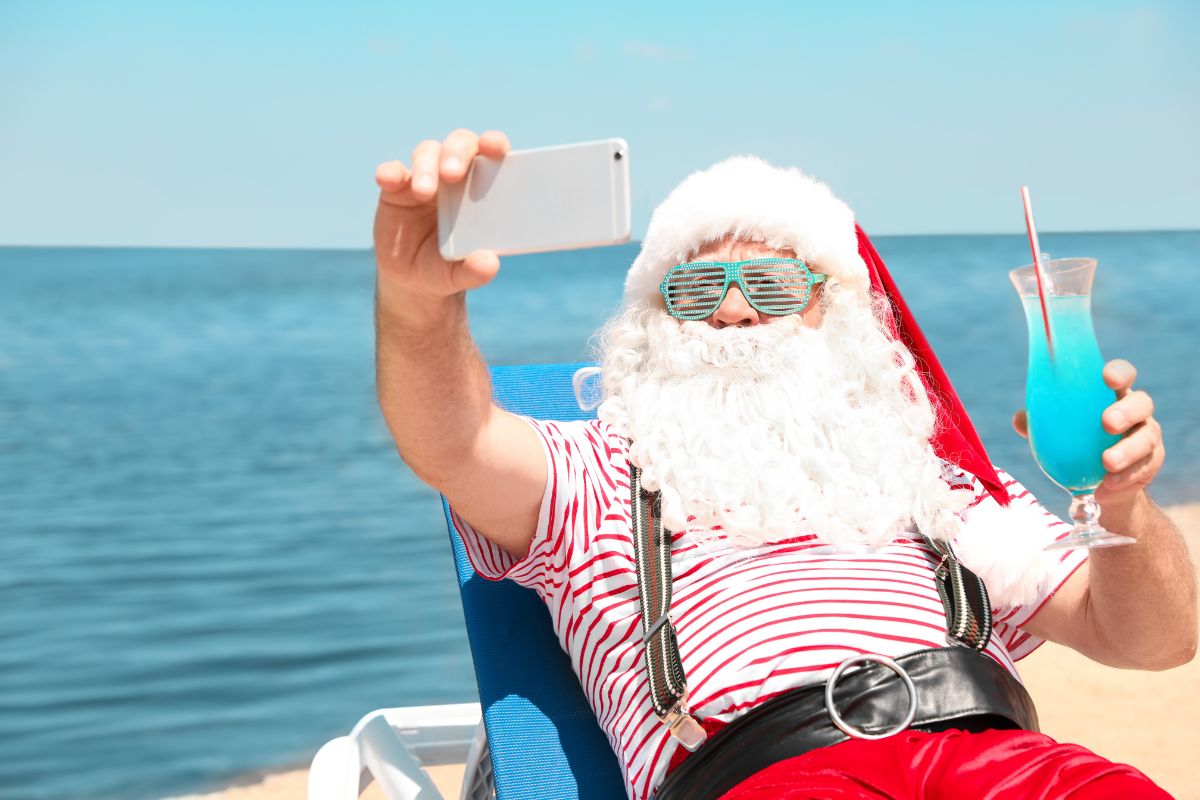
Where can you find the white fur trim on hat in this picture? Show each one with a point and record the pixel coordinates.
(750, 199)
(1005, 547)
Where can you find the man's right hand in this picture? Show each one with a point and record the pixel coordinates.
(433, 385)
(413, 276)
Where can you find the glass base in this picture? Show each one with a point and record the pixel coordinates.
(1085, 513)
(1092, 539)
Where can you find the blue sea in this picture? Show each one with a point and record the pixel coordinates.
(212, 559)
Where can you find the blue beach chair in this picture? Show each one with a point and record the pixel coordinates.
(543, 738)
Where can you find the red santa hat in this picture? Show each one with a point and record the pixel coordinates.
(785, 209)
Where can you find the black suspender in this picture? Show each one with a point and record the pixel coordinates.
(652, 551)
(964, 599)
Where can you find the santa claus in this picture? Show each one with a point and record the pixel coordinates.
(762, 556)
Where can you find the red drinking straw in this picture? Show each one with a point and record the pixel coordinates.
(1037, 265)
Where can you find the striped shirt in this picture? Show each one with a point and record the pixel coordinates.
(751, 623)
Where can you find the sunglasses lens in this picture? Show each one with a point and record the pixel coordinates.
(782, 288)
(694, 291)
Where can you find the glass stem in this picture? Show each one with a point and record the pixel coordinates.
(1085, 513)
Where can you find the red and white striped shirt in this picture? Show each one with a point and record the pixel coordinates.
(751, 624)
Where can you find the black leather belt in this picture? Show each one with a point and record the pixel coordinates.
(946, 687)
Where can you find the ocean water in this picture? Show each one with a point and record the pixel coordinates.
(212, 559)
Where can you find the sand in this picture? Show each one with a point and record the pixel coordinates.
(293, 785)
(1148, 719)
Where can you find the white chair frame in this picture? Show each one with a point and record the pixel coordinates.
(389, 747)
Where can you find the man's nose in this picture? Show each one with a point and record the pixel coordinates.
(734, 310)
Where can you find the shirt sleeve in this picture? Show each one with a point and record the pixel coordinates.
(585, 470)
(1030, 527)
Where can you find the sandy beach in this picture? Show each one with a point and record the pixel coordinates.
(1147, 719)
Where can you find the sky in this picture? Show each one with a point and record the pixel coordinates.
(240, 124)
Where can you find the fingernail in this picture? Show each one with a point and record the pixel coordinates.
(452, 164)
(423, 182)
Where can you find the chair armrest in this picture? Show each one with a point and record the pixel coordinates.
(336, 770)
(398, 774)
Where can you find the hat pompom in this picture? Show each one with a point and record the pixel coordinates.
(1005, 547)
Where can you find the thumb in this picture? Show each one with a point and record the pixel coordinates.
(477, 269)
(1020, 423)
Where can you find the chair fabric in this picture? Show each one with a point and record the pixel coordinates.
(544, 739)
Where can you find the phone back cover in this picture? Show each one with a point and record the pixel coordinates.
(551, 198)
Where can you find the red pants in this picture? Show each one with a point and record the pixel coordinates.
(952, 765)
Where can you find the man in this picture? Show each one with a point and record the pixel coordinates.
(758, 383)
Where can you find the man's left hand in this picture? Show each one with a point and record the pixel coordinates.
(1131, 463)
(1131, 607)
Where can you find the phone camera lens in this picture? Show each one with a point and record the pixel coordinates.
(617, 156)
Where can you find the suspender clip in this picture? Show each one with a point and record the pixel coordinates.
(684, 727)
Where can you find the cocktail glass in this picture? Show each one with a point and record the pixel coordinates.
(1065, 393)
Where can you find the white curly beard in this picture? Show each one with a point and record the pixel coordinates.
(776, 431)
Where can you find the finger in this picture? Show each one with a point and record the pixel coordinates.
(1141, 471)
(493, 144)
(425, 168)
(1020, 423)
(1133, 409)
(393, 179)
(1137, 445)
(1119, 375)
(457, 151)
(392, 176)
(478, 268)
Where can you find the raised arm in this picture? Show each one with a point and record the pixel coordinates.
(433, 384)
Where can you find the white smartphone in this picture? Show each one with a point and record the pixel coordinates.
(532, 201)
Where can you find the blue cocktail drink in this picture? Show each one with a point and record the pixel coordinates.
(1065, 394)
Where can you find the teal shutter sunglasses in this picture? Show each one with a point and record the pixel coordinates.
(775, 286)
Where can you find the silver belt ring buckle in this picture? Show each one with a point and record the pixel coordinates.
(846, 727)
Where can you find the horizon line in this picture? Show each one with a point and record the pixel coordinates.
(345, 249)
